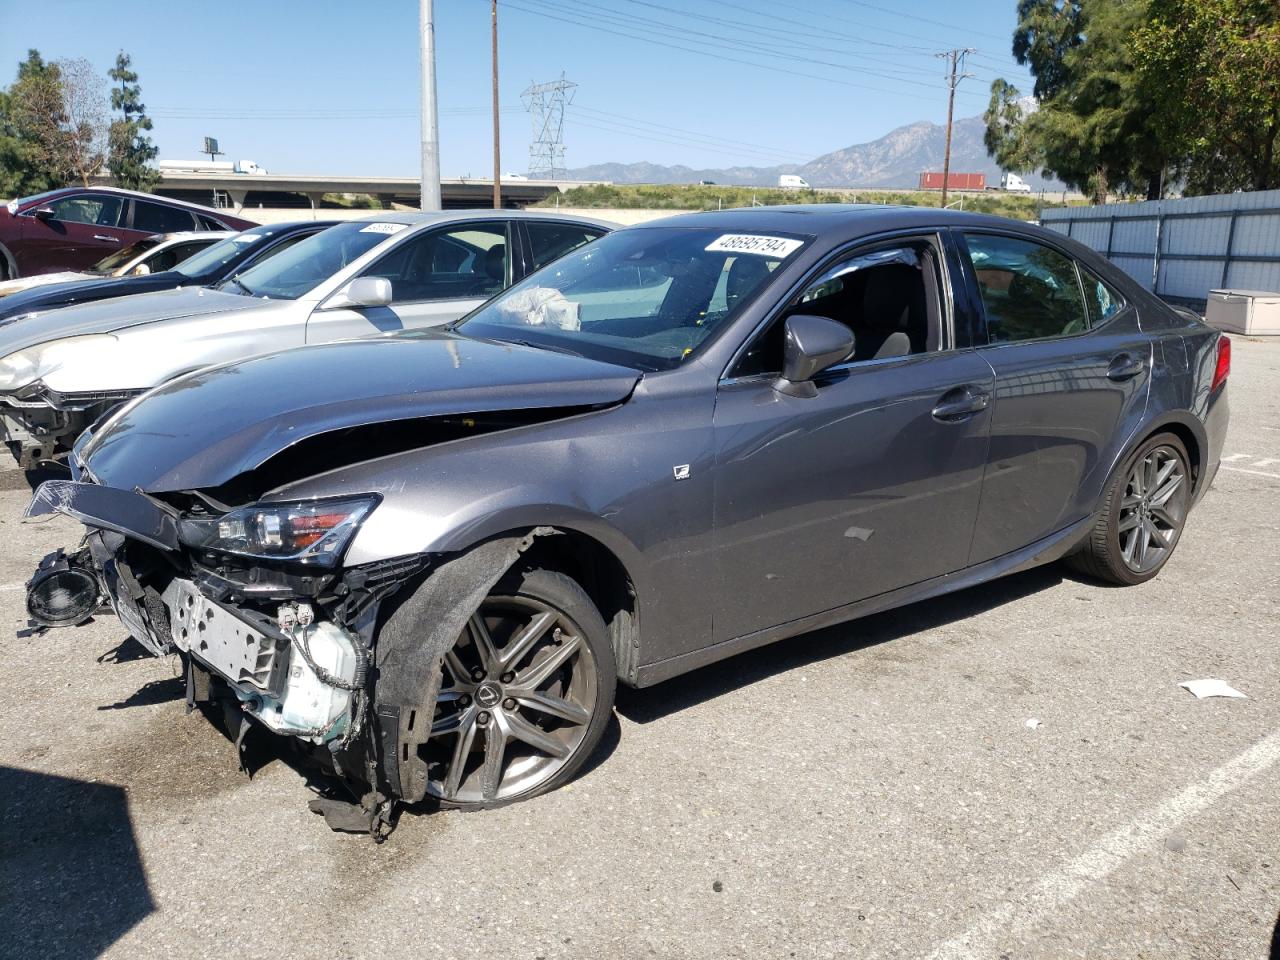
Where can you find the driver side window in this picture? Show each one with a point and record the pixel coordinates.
(465, 261)
(888, 296)
(102, 211)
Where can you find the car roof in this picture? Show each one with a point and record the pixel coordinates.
(119, 191)
(417, 217)
(817, 218)
(194, 235)
(287, 226)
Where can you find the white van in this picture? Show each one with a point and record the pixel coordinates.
(791, 180)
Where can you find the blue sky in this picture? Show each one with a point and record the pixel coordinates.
(331, 86)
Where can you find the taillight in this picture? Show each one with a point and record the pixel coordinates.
(1223, 369)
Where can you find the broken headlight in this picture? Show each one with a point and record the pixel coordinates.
(314, 532)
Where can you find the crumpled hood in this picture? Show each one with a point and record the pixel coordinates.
(202, 430)
(108, 316)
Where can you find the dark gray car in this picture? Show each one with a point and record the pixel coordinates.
(431, 557)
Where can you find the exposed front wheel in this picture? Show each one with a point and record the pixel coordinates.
(1142, 517)
(525, 695)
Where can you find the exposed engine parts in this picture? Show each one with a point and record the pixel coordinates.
(300, 665)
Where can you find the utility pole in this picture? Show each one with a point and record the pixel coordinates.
(430, 124)
(497, 151)
(956, 60)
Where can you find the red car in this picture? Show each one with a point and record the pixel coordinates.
(75, 227)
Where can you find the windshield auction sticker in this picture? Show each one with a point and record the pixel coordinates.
(387, 228)
(779, 247)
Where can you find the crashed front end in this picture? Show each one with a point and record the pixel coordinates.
(254, 602)
(39, 424)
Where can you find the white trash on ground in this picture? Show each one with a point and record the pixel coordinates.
(1211, 687)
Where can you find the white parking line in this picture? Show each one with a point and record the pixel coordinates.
(1256, 473)
(5, 587)
(993, 934)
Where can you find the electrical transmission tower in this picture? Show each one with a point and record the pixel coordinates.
(545, 103)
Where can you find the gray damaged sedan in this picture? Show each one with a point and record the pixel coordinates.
(428, 559)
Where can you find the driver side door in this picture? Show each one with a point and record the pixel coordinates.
(436, 277)
(873, 482)
(83, 229)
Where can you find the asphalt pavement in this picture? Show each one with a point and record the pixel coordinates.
(871, 790)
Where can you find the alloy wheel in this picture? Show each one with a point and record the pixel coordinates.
(516, 699)
(1153, 509)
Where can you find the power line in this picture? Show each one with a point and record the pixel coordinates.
(938, 23)
(662, 28)
(706, 54)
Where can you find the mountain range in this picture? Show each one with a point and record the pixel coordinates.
(895, 161)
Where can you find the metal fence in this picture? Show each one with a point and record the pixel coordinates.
(1182, 249)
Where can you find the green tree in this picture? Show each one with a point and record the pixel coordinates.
(1210, 69)
(1086, 121)
(34, 154)
(130, 150)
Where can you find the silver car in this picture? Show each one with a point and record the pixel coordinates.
(62, 369)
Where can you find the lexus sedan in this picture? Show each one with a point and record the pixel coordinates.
(73, 227)
(60, 370)
(154, 254)
(428, 559)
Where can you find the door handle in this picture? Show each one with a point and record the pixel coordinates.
(1125, 367)
(960, 404)
(103, 236)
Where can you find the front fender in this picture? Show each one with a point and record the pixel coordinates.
(398, 529)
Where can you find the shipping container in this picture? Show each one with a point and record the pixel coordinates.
(955, 181)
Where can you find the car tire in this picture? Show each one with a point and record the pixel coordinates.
(1142, 515)
(566, 711)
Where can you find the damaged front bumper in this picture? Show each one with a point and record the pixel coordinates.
(346, 660)
(289, 650)
(39, 424)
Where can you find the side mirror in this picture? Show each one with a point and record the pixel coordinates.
(44, 213)
(362, 292)
(812, 344)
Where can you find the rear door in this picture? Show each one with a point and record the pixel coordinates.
(83, 229)
(436, 277)
(870, 485)
(1072, 369)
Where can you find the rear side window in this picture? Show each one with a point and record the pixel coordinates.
(551, 241)
(155, 218)
(1101, 300)
(1029, 291)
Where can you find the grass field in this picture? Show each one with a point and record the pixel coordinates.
(681, 197)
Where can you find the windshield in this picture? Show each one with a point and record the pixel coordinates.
(646, 297)
(118, 259)
(290, 274)
(210, 259)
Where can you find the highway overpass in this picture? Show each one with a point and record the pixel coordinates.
(246, 191)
